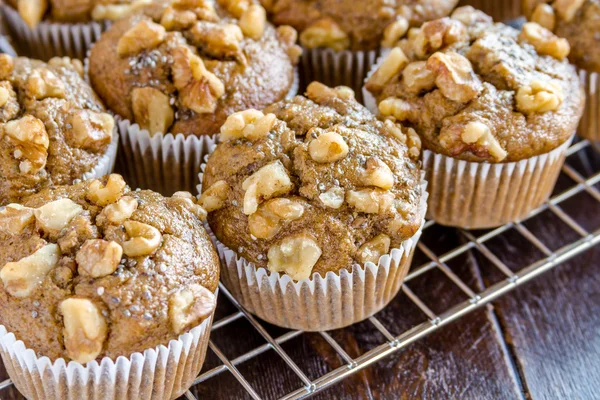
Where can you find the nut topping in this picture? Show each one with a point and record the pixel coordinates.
(378, 174)
(370, 201)
(320, 93)
(333, 198)
(214, 197)
(417, 78)
(144, 239)
(253, 21)
(188, 307)
(145, 35)
(235, 7)
(539, 97)
(372, 250)
(325, 33)
(394, 32)
(188, 202)
(328, 147)
(115, 12)
(32, 11)
(85, 329)
(98, 258)
(250, 124)
(269, 218)
(269, 181)
(14, 218)
(90, 130)
(56, 215)
(434, 35)
(220, 40)
(398, 108)
(173, 19)
(22, 277)
(108, 194)
(454, 76)
(152, 110)
(4, 96)
(295, 255)
(481, 134)
(391, 66)
(6, 66)
(42, 83)
(119, 212)
(544, 41)
(31, 141)
(544, 16)
(566, 9)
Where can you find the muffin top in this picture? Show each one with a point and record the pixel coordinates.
(73, 11)
(183, 67)
(578, 21)
(313, 185)
(53, 128)
(480, 91)
(94, 270)
(355, 24)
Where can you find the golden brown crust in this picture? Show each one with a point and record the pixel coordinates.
(480, 91)
(325, 177)
(201, 71)
(135, 300)
(53, 128)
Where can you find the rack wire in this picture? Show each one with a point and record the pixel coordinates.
(473, 241)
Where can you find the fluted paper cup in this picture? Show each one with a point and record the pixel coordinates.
(106, 163)
(500, 10)
(51, 39)
(590, 122)
(164, 372)
(319, 303)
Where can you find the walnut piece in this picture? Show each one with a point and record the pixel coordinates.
(219, 40)
(480, 133)
(21, 278)
(173, 19)
(566, 9)
(53, 217)
(108, 194)
(325, 33)
(6, 66)
(328, 147)
(32, 11)
(214, 197)
(399, 109)
(67, 62)
(253, 21)
(249, 124)
(31, 143)
(393, 64)
(320, 93)
(289, 36)
(90, 130)
(269, 181)
(235, 7)
(394, 32)
(119, 212)
(144, 239)
(295, 255)
(372, 250)
(114, 12)
(544, 41)
(189, 306)
(470, 16)
(270, 217)
(42, 83)
(152, 110)
(85, 329)
(370, 201)
(4, 96)
(14, 218)
(145, 35)
(454, 76)
(187, 201)
(539, 97)
(417, 78)
(98, 258)
(544, 16)
(434, 35)
(378, 174)
(333, 198)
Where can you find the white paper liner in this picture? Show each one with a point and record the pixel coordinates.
(337, 68)
(318, 304)
(368, 99)
(164, 372)
(475, 195)
(51, 39)
(589, 127)
(500, 10)
(106, 163)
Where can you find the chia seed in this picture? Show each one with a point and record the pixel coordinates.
(134, 309)
(100, 291)
(126, 313)
(240, 249)
(115, 300)
(147, 316)
(147, 295)
(234, 203)
(260, 257)
(105, 313)
(322, 187)
(34, 314)
(36, 303)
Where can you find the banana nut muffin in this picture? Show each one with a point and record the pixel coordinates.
(73, 11)
(578, 21)
(184, 66)
(53, 128)
(94, 270)
(355, 24)
(313, 184)
(480, 91)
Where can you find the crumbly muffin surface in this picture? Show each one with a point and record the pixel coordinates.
(480, 91)
(313, 185)
(183, 69)
(94, 270)
(354, 24)
(53, 128)
(578, 21)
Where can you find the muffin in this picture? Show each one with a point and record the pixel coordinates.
(579, 23)
(495, 108)
(342, 39)
(44, 29)
(316, 207)
(54, 129)
(94, 272)
(177, 71)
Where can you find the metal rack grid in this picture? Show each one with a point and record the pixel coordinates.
(434, 321)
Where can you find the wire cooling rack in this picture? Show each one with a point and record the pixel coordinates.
(581, 183)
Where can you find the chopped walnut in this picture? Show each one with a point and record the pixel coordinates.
(32, 11)
(295, 255)
(173, 19)
(372, 250)
(6, 66)
(539, 97)
(144, 239)
(325, 33)
(145, 35)
(289, 36)
(470, 16)
(14, 218)
(249, 124)
(85, 329)
(454, 76)
(67, 62)
(152, 110)
(393, 64)
(114, 12)
(21, 278)
(214, 197)
(235, 7)
(333, 198)
(544, 16)
(269, 181)
(56, 215)
(189, 306)
(90, 130)
(434, 35)
(119, 212)
(219, 40)
(544, 41)
(270, 217)
(370, 201)
(394, 32)
(253, 21)
(42, 83)
(187, 201)
(566, 9)
(378, 174)
(98, 258)
(481, 134)
(107, 194)
(417, 78)
(328, 147)
(320, 93)
(31, 141)
(399, 109)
